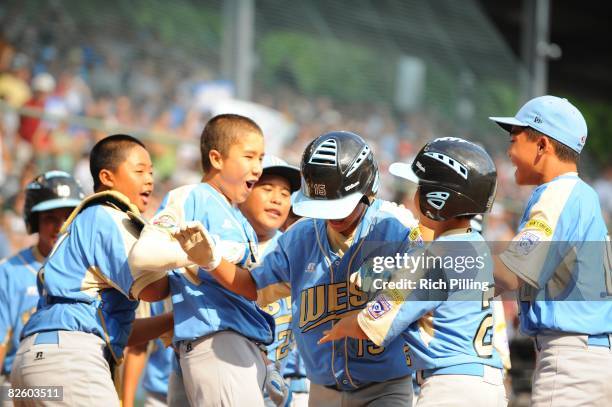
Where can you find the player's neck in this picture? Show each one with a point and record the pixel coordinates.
(43, 249)
(214, 181)
(439, 228)
(263, 235)
(555, 168)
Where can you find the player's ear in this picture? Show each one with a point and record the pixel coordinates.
(544, 145)
(216, 159)
(107, 178)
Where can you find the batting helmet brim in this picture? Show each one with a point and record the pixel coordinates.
(404, 171)
(55, 204)
(325, 208)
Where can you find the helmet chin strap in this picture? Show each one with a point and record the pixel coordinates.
(368, 199)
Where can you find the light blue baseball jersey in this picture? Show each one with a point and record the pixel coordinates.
(560, 252)
(159, 364)
(201, 305)
(18, 298)
(284, 348)
(280, 310)
(304, 266)
(87, 282)
(447, 325)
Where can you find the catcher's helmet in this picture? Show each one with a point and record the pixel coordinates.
(51, 190)
(456, 178)
(338, 170)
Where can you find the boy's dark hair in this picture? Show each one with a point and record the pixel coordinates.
(109, 153)
(563, 152)
(221, 132)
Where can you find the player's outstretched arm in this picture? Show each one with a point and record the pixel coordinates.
(156, 291)
(150, 258)
(156, 250)
(146, 329)
(347, 326)
(201, 249)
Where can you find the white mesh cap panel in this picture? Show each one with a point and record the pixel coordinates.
(326, 153)
(452, 163)
(360, 159)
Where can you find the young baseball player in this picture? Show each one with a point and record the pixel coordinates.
(318, 261)
(560, 258)
(218, 333)
(49, 199)
(447, 330)
(266, 209)
(88, 288)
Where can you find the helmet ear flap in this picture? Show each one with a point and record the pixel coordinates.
(31, 221)
(433, 200)
(441, 203)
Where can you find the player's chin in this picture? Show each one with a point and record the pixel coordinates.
(338, 225)
(142, 204)
(519, 178)
(240, 197)
(272, 223)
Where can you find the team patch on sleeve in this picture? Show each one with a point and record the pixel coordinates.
(415, 237)
(165, 221)
(539, 224)
(379, 307)
(526, 242)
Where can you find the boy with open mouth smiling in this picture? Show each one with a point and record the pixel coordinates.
(217, 332)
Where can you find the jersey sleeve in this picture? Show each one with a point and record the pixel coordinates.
(114, 238)
(386, 317)
(157, 251)
(177, 207)
(527, 256)
(272, 277)
(400, 303)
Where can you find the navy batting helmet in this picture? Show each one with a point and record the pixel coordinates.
(338, 170)
(456, 178)
(51, 190)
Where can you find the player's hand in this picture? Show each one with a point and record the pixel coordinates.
(277, 389)
(199, 245)
(347, 326)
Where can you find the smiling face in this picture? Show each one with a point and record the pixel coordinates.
(133, 177)
(523, 154)
(267, 207)
(239, 171)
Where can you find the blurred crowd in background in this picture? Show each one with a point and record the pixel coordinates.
(92, 86)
